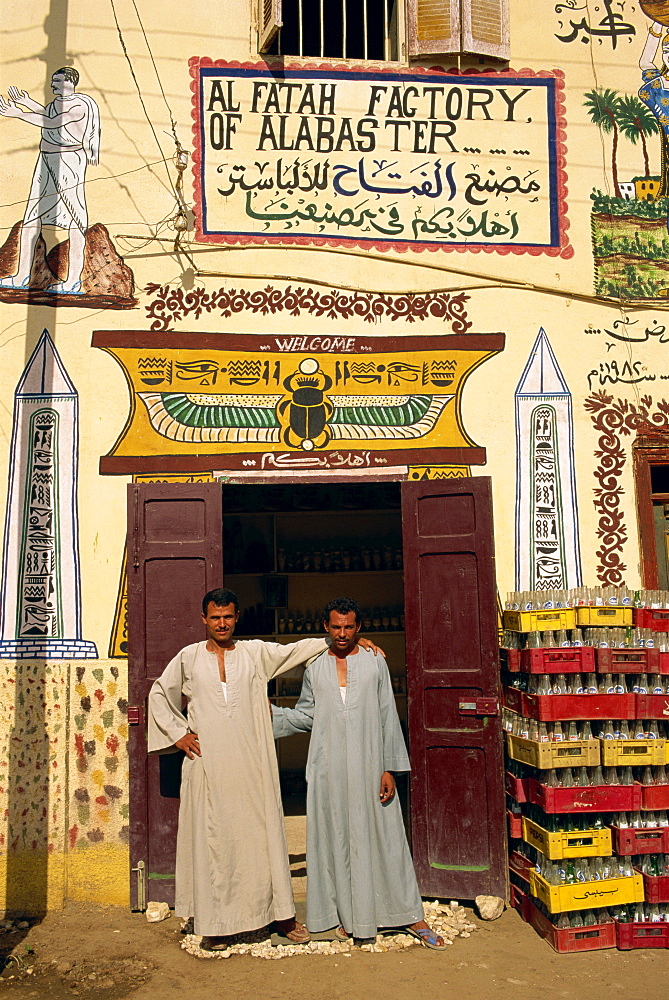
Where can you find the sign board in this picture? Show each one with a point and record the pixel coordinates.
(378, 158)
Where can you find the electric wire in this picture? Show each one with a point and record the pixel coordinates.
(139, 94)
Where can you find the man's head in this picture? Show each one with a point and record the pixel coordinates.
(342, 621)
(64, 81)
(220, 614)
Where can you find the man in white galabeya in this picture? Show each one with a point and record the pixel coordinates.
(70, 140)
(232, 869)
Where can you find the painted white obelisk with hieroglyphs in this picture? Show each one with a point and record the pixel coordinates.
(41, 589)
(548, 555)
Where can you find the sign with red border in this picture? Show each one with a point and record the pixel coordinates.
(386, 159)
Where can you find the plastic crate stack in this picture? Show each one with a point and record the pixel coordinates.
(587, 772)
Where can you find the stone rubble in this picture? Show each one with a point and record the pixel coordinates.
(448, 920)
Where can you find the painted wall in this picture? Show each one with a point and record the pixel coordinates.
(587, 270)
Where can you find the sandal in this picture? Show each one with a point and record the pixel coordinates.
(215, 943)
(341, 934)
(297, 933)
(427, 937)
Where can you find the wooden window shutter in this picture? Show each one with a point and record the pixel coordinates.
(269, 22)
(434, 26)
(485, 27)
(463, 26)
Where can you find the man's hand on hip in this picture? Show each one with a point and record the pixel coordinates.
(190, 745)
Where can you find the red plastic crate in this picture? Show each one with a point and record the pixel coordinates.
(631, 661)
(657, 621)
(656, 888)
(642, 935)
(628, 841)
(565, 939)
(654, 796)
(570, 660)
(593, 798)
(521, 866)
(515, 825)
(509, 659)
(652, 706)
(520, 901)
(554, 707)
(517, 788)
(513, 698)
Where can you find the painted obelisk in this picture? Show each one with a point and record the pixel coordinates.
(41, 594)
(548, 555)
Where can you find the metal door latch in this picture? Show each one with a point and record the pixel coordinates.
(481, 706)
(141, 885)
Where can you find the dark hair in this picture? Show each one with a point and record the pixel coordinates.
(221, 596)
(342, 605)
(69, 72)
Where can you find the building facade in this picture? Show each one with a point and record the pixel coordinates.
(282, 245)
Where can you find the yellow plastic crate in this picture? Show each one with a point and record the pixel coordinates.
(616, 753)
(571, 753)
(587, 895)
(539, 621)
(576, 844)
(604, 616)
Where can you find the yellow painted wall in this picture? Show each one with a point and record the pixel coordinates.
(65, 835)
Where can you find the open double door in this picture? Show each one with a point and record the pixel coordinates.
(457, 794)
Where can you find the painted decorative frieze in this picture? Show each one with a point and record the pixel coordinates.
(268, 404)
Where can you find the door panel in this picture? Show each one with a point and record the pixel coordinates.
(457, 790)
(455, 776)
(174, 557)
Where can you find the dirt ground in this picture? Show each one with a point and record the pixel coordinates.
(111, 953)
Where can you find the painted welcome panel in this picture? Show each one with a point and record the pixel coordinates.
(389, 158)
(265, 402)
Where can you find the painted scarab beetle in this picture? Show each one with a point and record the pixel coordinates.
(305, 415)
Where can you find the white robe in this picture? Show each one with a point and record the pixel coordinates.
(57, 195)
(232, 870)
(359, 869)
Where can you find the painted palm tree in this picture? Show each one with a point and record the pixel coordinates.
(603, 106)
(636, 121)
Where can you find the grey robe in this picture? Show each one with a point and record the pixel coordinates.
(232, 870)
(359, 870)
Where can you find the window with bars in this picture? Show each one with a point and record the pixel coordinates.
(376, 29)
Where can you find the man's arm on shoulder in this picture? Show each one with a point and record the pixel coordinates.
(276, 658)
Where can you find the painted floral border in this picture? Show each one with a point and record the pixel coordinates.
(614, 419)
(173, 304)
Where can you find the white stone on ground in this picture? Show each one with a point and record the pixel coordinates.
(447, 920)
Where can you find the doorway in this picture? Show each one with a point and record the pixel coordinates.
(430, 543)
(287, 551)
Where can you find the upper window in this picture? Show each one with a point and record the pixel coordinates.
(377, 29)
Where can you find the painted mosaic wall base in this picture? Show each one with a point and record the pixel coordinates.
(63, 785)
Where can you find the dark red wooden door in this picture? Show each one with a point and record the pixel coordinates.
(453, 689)
(175, 555)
